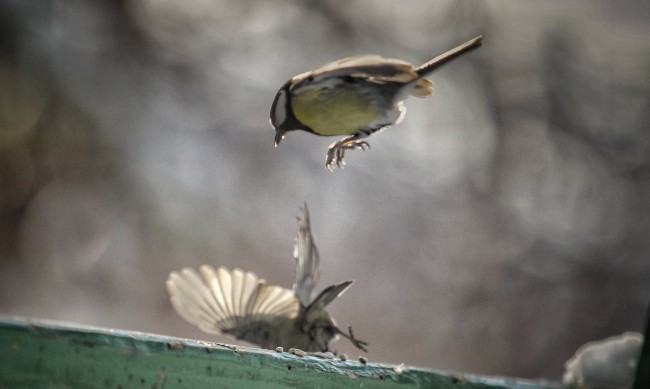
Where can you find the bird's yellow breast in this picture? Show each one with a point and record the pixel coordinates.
(337, 111)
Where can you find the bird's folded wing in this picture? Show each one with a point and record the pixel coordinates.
(371, 68)
(223, 301)
(367, 66)
(307, 260)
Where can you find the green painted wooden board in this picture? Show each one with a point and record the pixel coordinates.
(46, 354)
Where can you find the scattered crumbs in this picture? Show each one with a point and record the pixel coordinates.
(399, 369)
(279, 349)
(205, 344)
(326, 355)
(232, 348)
(297, 351)
(363, 360)
(344, 357)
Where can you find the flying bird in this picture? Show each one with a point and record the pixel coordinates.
(240, 304)
(354, 97)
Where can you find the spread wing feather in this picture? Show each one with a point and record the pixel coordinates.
(321, 301)
(307, 260)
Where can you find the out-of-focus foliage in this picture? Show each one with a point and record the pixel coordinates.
(502, 224)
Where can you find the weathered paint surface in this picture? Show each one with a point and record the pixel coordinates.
(46, 354)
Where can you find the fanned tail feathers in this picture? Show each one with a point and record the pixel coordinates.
(220, 300)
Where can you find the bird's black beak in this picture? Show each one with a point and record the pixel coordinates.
(279, 135)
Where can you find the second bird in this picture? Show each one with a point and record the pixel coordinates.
(240, 304)
(353, 97)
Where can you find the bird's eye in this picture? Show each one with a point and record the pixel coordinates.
(280, 108)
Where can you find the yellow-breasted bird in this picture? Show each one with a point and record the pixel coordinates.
(240, 304)
(353, 97)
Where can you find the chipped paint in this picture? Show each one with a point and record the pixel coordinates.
(40, 353)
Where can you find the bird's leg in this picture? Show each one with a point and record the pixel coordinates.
(356, 342)
(336, 151)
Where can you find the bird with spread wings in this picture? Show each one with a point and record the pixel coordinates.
(240, 304)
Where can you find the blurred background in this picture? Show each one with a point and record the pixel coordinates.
(502, 224)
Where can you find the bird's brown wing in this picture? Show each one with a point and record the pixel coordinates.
(372, 68)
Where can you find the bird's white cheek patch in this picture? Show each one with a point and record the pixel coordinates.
(281, 108)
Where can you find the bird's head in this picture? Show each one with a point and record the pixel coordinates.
(283, 119)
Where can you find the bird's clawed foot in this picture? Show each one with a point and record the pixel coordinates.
(356, 342)
(336, 152)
